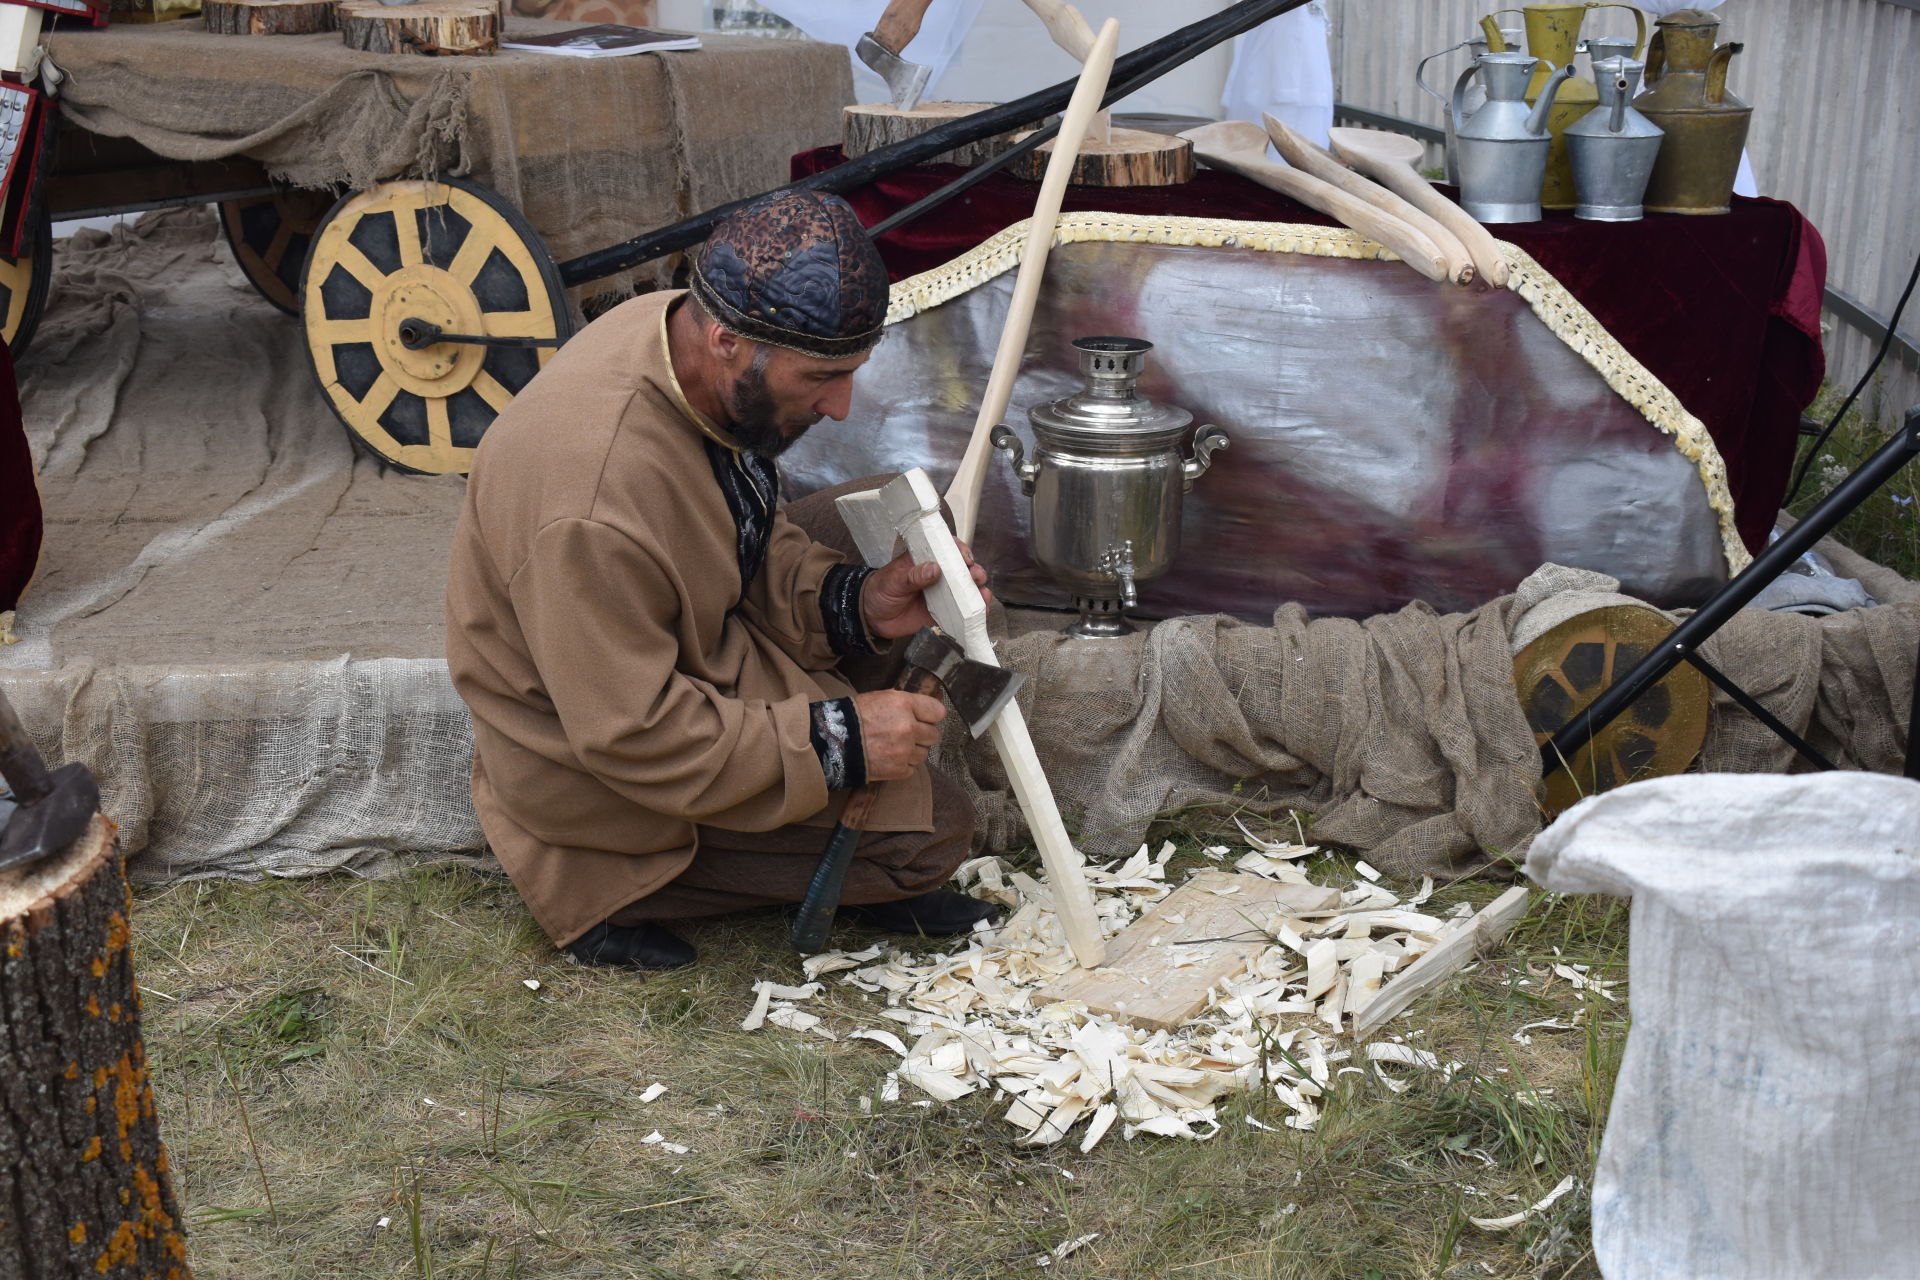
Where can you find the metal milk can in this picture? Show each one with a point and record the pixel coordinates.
(1503, 146)
(1706, 126)
(1613, 147)
(1107, 479)
(1553, 36)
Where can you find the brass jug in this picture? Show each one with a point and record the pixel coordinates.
(1553, 36)
(1706, 126)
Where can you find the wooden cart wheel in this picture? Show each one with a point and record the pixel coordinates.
(445, 253)
(1569, 666)
(270, 235)
(23, 290)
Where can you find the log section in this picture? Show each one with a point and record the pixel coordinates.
(1128, 158)
(267, 17)
(871, 126)
(83, 1173)
(430, 27)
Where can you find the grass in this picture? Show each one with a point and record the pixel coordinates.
(355, 1080)
(1886, 527)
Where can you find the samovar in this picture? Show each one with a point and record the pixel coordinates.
(1107, 483)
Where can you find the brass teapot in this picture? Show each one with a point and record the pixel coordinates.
(1706, 126)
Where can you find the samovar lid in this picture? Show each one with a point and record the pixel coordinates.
(1110, 406)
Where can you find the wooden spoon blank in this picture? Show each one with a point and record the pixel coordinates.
(1389, 159)
(1241, 147)
(1303, 155)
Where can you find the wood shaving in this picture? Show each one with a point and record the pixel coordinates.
(972, 1021)
(1515, 1219)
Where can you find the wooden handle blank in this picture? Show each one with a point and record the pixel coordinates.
(1311, 160)
(1066, 25)
(900, 24)
(963, 495)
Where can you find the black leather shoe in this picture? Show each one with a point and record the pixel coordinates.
(631, 946)
(938, 914)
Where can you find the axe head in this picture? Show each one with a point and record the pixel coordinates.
(977, 690)
(907, 80)
(39, 827)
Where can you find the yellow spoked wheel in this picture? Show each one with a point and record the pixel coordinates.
(23, 289)
(394, 268)
(270, 236)
(1569, 666)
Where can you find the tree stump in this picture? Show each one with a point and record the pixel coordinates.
(871, 126)
(442, 27)
(1128, 158)
(84, 1189)
(267, 17)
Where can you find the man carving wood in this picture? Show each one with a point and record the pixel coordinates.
(650, 646)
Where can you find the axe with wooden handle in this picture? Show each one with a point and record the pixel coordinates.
(929, 663)
(881, 48)
(48, 810)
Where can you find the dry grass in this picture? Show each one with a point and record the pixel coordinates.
(298, 1030)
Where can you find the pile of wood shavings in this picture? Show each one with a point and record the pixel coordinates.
(980, 1023)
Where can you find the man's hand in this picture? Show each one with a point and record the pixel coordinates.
(897, 730)
(891, 603)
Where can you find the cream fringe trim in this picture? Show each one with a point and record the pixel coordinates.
(1563, 315)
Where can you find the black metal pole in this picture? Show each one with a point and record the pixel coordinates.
(1160, 57)
(1733, 597)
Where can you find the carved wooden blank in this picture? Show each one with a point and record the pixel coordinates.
(1160, 969)
(908, 509)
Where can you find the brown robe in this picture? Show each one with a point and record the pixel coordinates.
(623, 689)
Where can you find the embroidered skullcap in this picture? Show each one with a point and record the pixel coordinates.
(795, 269)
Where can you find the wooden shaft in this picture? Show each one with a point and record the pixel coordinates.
(900, 24)
(963, 496)
(1310, 159)
(1066, 25)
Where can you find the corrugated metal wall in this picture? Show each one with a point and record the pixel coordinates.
(1836, 130)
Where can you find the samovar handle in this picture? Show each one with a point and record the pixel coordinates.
(1209, 439)
(1003, 438)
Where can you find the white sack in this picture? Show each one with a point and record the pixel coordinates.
(1766, 1120)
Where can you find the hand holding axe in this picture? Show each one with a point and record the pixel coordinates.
(929, 663)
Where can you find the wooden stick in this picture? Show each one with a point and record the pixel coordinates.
(963, 495)
(1306, 157)
(909, 509)
(1240, 147)
(1448, 956)
(1070, 31)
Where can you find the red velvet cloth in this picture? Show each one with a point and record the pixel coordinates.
(1724, 310)
(19, 496)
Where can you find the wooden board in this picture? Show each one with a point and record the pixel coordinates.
(873, 125)
(268, 17)
(1128, 158)
(1154, 981)
(428, 27)
(1448, 956)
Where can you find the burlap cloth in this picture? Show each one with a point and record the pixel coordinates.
(237, 624)
(593, 150)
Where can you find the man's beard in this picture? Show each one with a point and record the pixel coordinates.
(756, 418)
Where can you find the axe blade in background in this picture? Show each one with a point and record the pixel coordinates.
(930, 662)
(48, 810)
(881, 48)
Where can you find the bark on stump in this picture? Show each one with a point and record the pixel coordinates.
(1129, 158)
(267, 17)
(429, 27)
(84, 1189)
(871, 126)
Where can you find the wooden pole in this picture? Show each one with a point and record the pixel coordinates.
(963, 495)
(84, 1185)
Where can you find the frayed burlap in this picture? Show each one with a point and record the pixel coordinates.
(593, 150)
